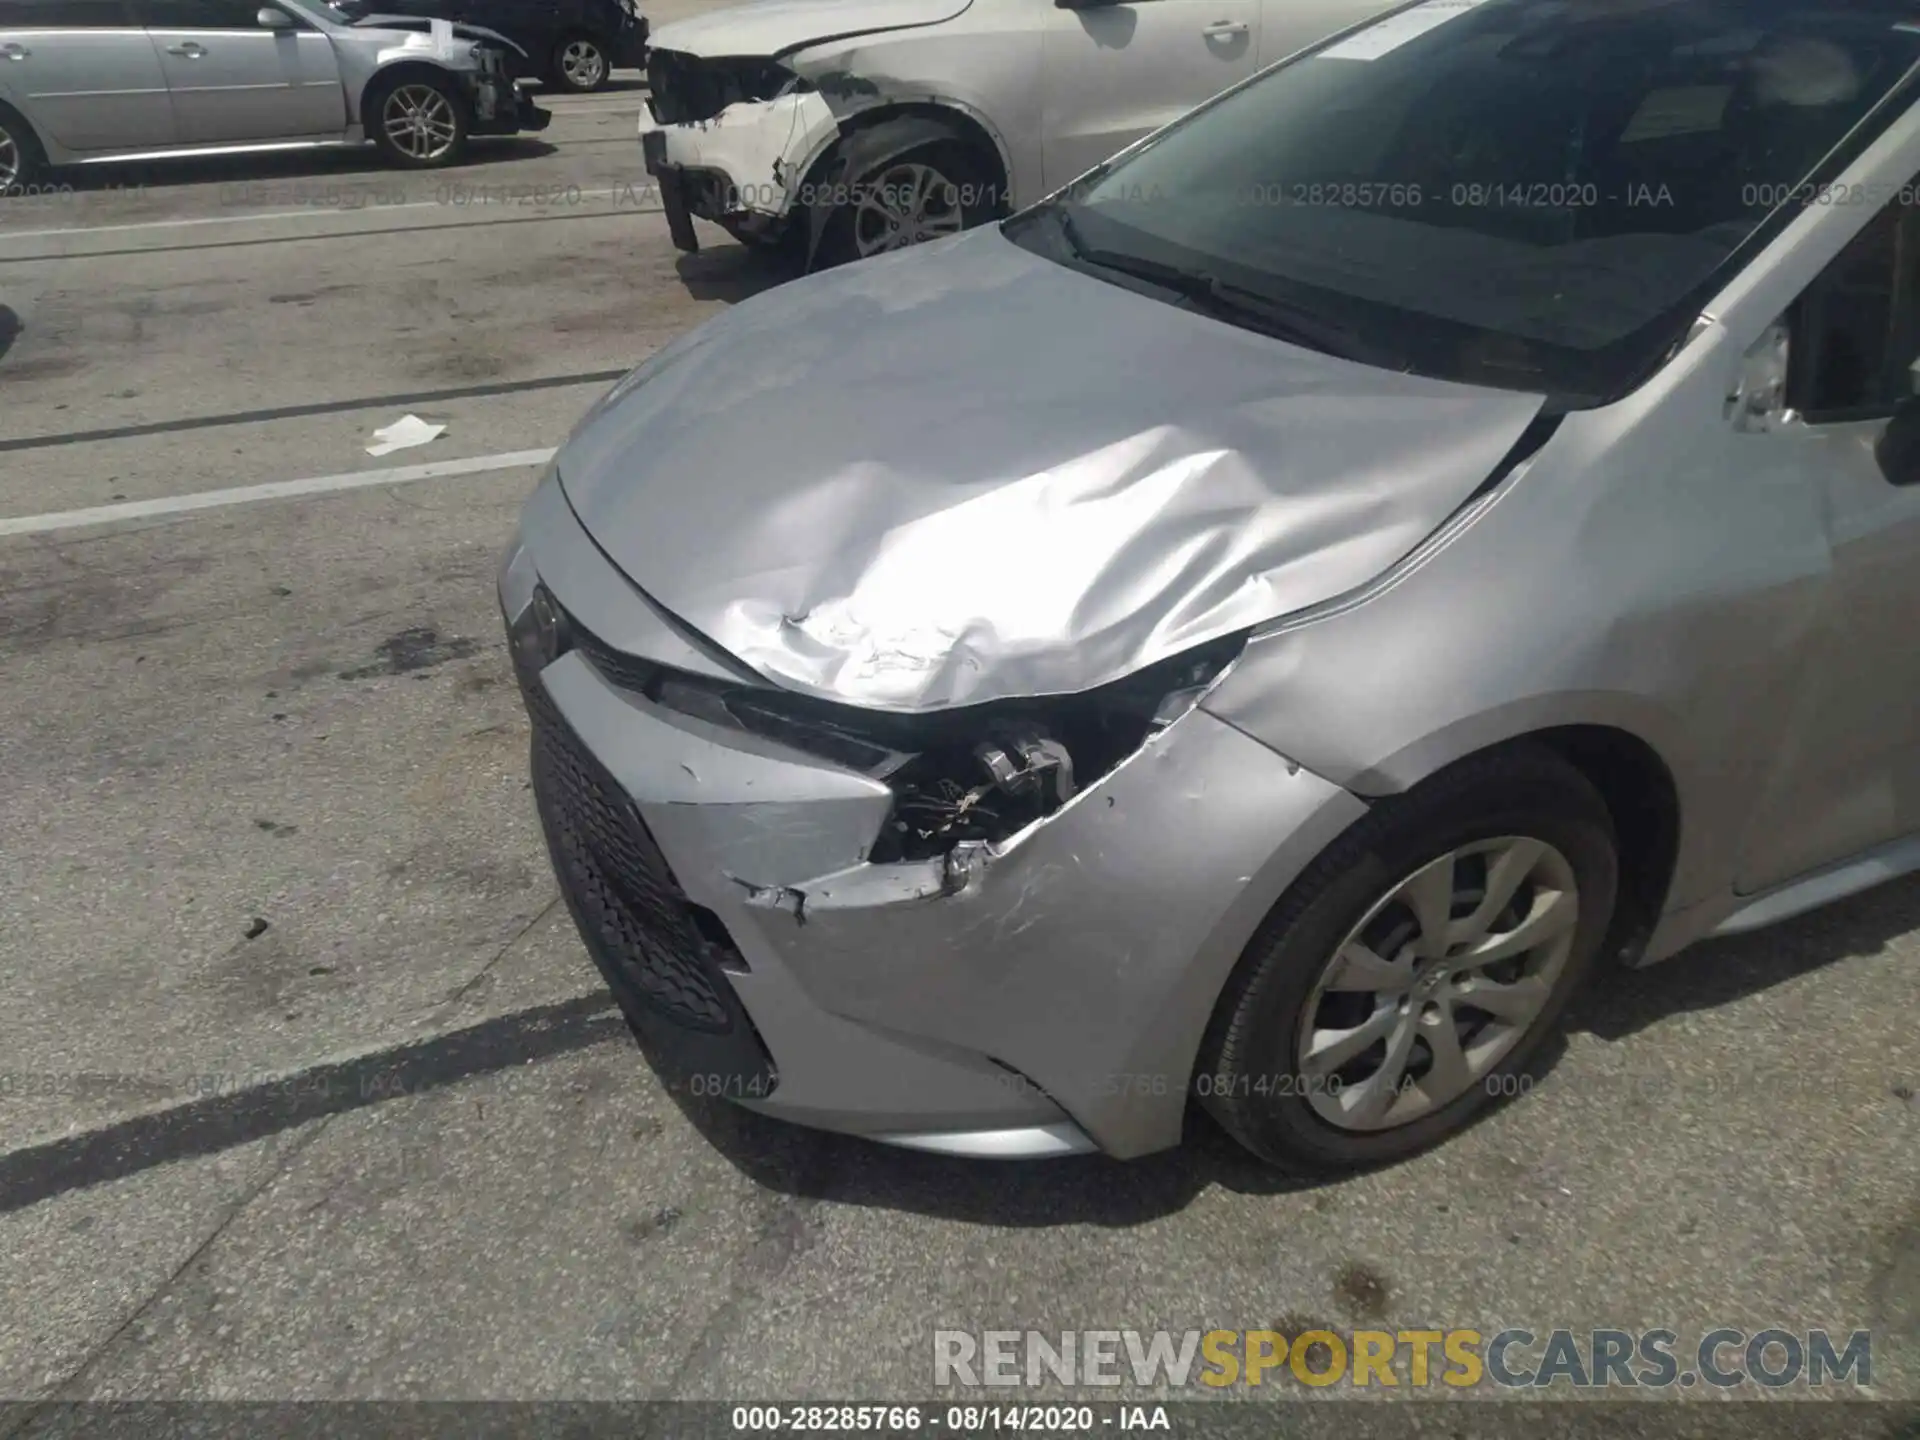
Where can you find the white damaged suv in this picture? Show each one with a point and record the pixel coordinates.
(847, 127)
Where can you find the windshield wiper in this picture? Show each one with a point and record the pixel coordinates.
(1286, 322)
(1233, 303)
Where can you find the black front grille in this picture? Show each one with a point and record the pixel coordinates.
(622, 892)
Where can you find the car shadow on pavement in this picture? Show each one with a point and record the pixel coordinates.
(1080, 1190)
(816, 1165)
(1718, 972)
(732, 272)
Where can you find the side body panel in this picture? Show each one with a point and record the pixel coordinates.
(1644, 571)
(230, 86)
(1113, 73)
(1289, 26)
(86, 91)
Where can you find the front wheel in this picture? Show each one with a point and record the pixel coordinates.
(20, 159)
(420, 122)
(580, 64)
(1402, 986)
(926, 194)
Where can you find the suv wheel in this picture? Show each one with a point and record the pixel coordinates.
(1402, 986)
(925, 194)
(580, 64)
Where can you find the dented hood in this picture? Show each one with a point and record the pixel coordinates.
(962, 472)
(775, 27)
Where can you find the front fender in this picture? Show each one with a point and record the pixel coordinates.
(443, 43)
(882, 110)
(856, 153)
(988, 79)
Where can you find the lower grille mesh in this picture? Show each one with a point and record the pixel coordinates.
(618, 878)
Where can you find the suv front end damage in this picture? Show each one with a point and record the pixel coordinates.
(762, 119)
(730, 140)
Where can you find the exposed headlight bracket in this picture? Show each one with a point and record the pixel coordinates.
(1028, 762)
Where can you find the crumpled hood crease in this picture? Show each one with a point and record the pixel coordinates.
(964, 473)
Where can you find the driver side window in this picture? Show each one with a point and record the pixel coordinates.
(1856, 329)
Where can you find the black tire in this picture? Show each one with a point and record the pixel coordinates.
(20, 154)
(397, 152)
(580, 47)
(974, 195)
(1523, 791)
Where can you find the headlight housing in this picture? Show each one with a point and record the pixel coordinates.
(684, 89)
(978, 773)
(985, 772)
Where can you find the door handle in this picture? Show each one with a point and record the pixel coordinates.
(190, 50)
(1226, 27)
(14, 52)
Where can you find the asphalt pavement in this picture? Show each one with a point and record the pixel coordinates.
(307, 1089)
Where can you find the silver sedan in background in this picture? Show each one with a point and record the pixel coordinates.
(89, 81)
(1268, 622)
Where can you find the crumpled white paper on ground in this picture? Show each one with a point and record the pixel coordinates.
(403, 434)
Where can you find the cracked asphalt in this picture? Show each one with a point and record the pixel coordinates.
(307, 1089)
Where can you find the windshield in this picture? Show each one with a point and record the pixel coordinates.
(1522, 193)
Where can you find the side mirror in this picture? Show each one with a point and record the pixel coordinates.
(268, 19)
(1898, 449)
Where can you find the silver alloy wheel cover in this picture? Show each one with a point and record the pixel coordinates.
(1420, 989)
(903, 205)
(583, 63)
(419, 121)
(9, 160)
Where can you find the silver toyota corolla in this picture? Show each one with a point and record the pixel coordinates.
(1268, 622)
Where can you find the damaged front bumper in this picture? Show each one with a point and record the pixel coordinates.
(503, 106)
(1039, 995)
(743, 168)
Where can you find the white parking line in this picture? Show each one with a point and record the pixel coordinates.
(6, 234)
(275, 490)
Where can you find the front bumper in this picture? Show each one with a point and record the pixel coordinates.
(1052, 999)
(742, 169)
(501, 106)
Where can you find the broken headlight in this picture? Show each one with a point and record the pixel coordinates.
(978, 773)
(984, 772)
(686, 89)
(1019, 772)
